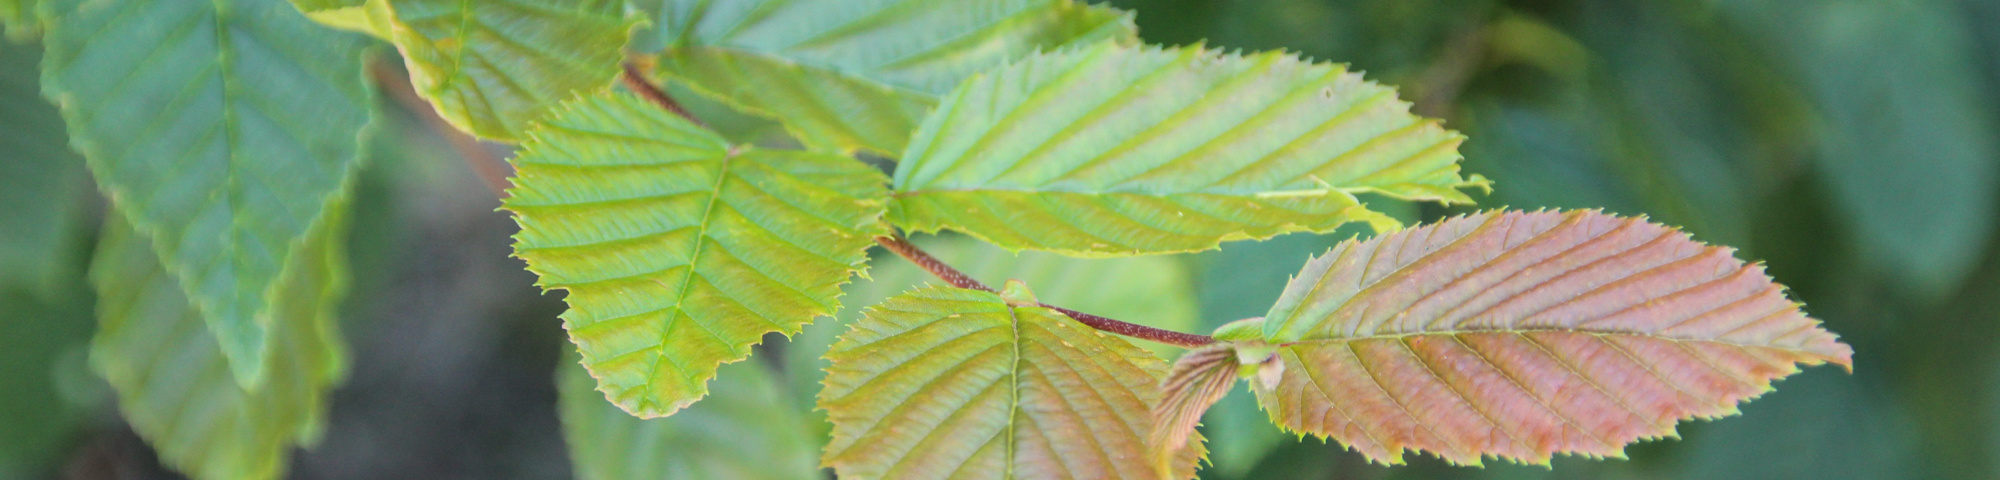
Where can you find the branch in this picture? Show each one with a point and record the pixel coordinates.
(636, 81)
(491, 169)
(959, 279)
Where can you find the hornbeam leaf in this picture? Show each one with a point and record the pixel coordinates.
(848, 75)
(172, 377)
(222, 131)
(1199, 378)
(1116, 150)
(751, 413)
(1520, 335)
(1156, 291)
(492, 66)
(955, 383)
(678, 250)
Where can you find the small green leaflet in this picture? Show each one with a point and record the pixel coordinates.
(847, 75)
(1117, 150)
(221, 131)
(491, 67)
(680, 251)
(749, 431)
(173, 381)
(955, 383)
(1520, 335)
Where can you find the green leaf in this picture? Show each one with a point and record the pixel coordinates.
(678, 250)
(173, 379)
(222, 131)
(847, 75)
(1907, 144)
(945, 382)
(51, 397)
(1520, 335)
(750, 431)
(492, 67)
(42, 183)
(1117, 150)
(1808, 431)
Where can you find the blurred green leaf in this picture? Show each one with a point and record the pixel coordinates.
(747, 430)
(42, 183)
(1906, 125)
(491, 67)
(42, 341)
(1821, 424)
(17, 20)
(1393, 40)
(1682, 139)
(1545, 155)
(844, 75)
(173, 379)
(222, 131)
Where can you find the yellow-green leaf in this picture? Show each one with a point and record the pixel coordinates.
(222, 131)
(955, 383)
(678, 250)
(173, 381)
(847, 75)
(1118, 150)
(493, 66)
(749, 431)
(1520, 335)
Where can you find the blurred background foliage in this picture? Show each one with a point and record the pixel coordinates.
(1853, 145)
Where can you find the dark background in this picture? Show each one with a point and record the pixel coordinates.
(1853, 145)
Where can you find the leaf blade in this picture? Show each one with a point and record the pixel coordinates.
(1198, 379)
(1115, 150)
(1521, 335)
(173, 379)
(493, 67)
(998, 366)
(812, 64)
(197, 155)
(678, 250)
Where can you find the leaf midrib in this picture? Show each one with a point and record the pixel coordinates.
(687, 280)
(1527, 330)
(1014, 383)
